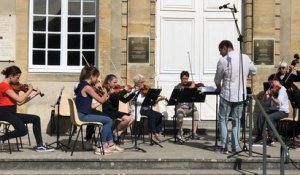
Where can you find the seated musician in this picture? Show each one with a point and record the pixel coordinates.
(185, 109)
(278, 108)
(111, 106)
(9, 100)
(285, 75)
(85, 93)
(155, 118)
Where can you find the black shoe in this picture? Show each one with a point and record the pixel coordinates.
(257, 139)
(120, 140)
(270, 141)
(115, 137)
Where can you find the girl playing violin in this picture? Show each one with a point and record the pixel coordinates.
(111, 106)
(9, 100)
(278, 108)
(85, 93)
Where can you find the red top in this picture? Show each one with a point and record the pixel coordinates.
(5, 100)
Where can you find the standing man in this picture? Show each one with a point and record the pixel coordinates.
(229, 81)
(185, 109)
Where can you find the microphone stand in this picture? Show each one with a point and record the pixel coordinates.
(58, 143)
(240, 39)
(135, 147)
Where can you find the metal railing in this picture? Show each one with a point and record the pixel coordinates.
(284, 151)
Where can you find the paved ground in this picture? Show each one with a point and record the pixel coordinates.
(192, 149)
(199, 157)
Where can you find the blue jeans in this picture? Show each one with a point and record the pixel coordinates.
(226, 109)
(106, 133)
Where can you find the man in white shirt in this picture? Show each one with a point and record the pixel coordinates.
(229, 81)
(278, 108)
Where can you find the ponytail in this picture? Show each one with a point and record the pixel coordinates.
(11, 70)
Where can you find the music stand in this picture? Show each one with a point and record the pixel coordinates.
(135, 147)
(57, 142)
(191, 95)
(173, 100)
(150, 100)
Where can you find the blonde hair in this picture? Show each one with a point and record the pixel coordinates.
(137, 78)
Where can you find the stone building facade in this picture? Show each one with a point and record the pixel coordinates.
(119, 19)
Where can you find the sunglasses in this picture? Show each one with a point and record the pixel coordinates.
(281, 67)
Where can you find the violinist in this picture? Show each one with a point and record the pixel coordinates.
(111, 106)
(155, 118)
(278, 108)
(185, 109)
(9, 100)
(285, 76)
(85, 93)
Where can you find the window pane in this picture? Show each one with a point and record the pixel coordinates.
(90, 57)
(54, 24)
(88, 24)
(88, 8)
(74, 8)
(38, 57)
(88, 42)
(39, 40)
(73, 58)
(54, 7)
(73, 24)
(53, 57)
(39, 23)
(73, 41)
(39, 7)
(54, 41)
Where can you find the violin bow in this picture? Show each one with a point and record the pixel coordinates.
(294, 62)
(87, 63)
(116, 71)
(188, 53)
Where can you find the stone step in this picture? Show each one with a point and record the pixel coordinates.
(142, 172)
(141, 164)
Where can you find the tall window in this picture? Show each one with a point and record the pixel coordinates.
(62, 33)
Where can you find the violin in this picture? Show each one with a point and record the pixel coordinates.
(23, 87)
(118, 88)
(98, 88)
(189, 84)
(273, 92)
(145, 90)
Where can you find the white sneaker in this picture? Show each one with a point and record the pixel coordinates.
(43, 148)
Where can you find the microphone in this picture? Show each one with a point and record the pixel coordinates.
(234, 9)
(224, 6)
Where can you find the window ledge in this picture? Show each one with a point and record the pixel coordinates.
(57, 77)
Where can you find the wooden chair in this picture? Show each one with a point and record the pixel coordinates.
(77, 122)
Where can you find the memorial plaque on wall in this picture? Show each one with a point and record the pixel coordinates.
(263, 51)
(138, 49)
(7, 37)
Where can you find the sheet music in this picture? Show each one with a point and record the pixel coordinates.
(208, 89)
